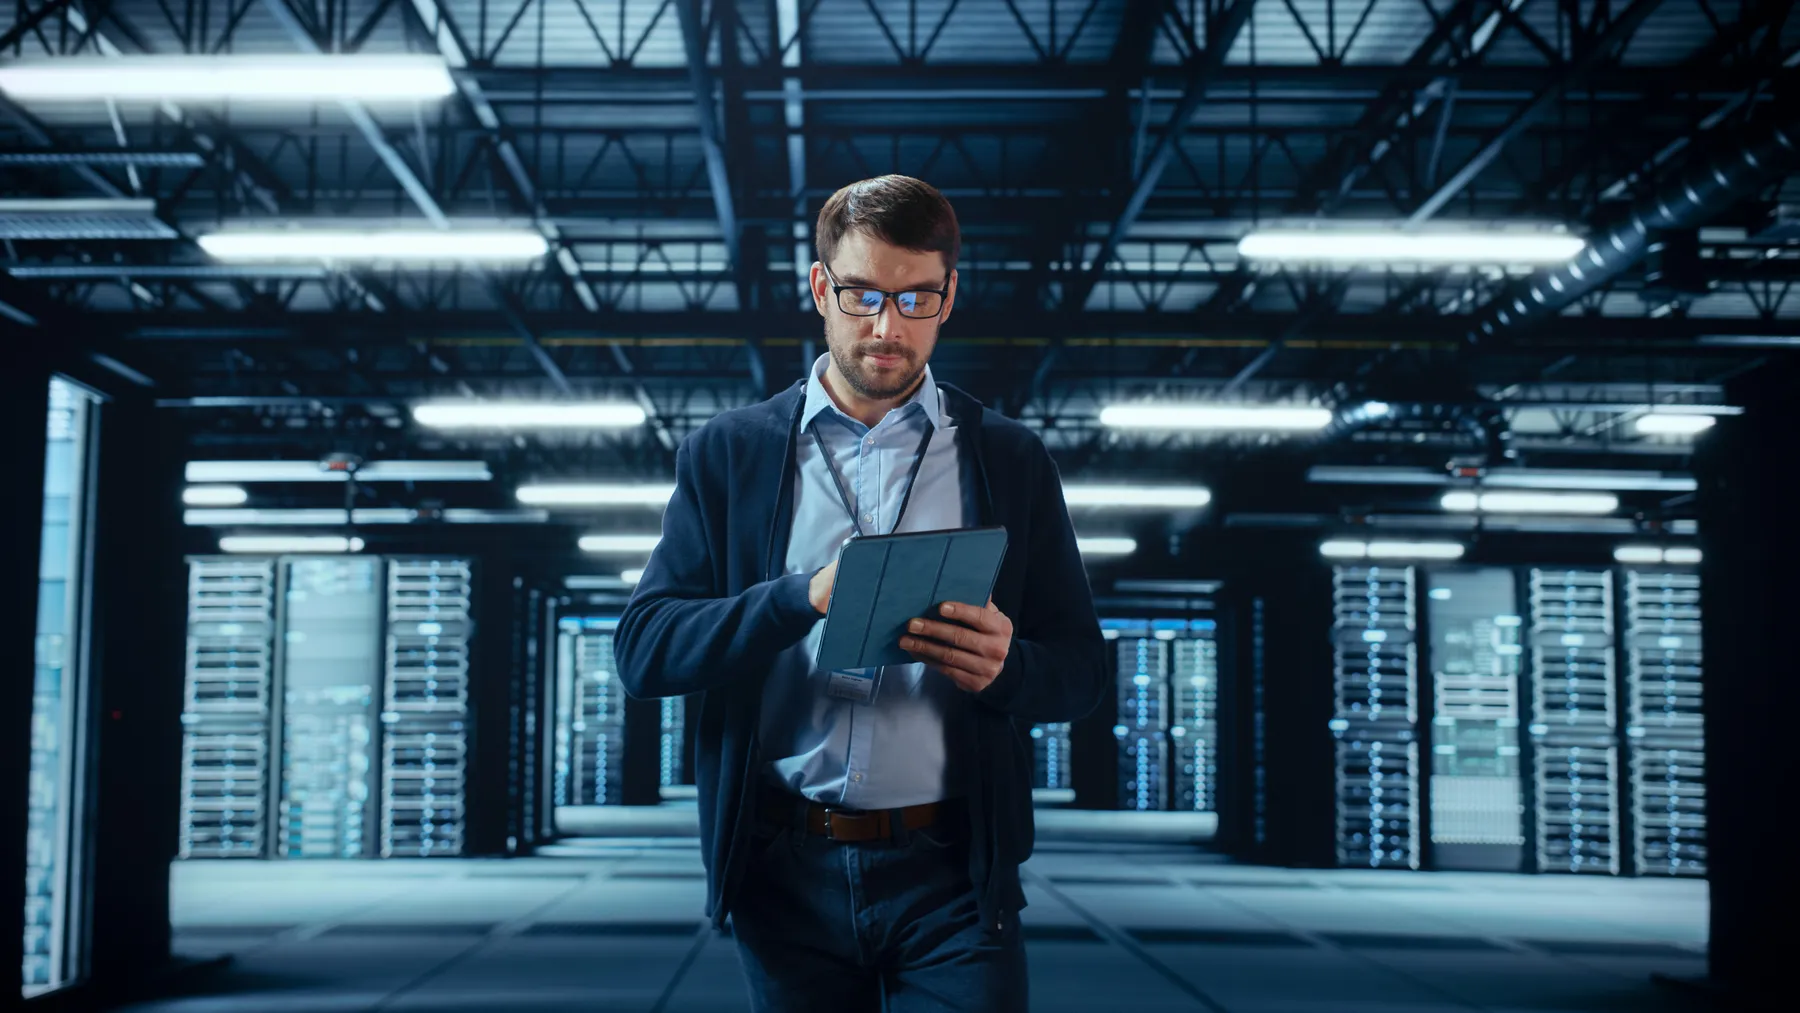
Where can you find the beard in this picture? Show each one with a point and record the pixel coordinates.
(851, 360)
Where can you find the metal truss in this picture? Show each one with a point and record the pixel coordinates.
(1103, 157)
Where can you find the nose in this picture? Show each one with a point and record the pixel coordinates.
(888, 322)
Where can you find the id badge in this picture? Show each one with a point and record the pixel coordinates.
(853, 686)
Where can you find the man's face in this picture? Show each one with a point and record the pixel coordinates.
(880, 356)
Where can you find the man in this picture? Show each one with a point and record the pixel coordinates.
(863, 830)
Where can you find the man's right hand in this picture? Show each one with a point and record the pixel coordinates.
(822, 583)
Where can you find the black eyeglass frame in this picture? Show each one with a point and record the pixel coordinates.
(837, 296)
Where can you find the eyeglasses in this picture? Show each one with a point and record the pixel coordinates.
(858, 301)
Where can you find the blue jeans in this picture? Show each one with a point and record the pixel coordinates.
(890, 926)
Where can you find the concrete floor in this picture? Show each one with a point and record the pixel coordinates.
(614, 925)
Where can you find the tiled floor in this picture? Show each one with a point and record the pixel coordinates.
(1136, 927)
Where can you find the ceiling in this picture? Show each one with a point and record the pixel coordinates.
(1104, 159)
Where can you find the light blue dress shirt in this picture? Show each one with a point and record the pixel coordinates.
(906, 746)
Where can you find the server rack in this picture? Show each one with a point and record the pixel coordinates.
(590, 725)
(425, 708)
(671, 744)
(228, 696)
(1476, 790)
(1574, 722)
(1194, 728)
(329, 655)
(327, 707)
(1375, 676)
(1143, 727)
(1666, 740)
(1050, 747)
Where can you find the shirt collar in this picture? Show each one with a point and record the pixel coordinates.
(818, 400)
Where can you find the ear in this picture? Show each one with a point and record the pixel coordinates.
(821, 287)
(949, 299)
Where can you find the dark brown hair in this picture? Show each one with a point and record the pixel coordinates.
(898, 210)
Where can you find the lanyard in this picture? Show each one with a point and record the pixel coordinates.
(844, 491)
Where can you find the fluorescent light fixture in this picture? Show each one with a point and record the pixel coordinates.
(1598, 480)
(1106, 546)
(619, 543)
(262, 77)
(1679, 555)
(1255, 417)
(1137, 495)
(592, 582)
(326, 517)
(1532, 502)
(1340, 548)
(548, 415)
(631, 576)
(577, 495)
(289, 543)
(425, 245)
(81, 218)
(1671, 424)
(1391, 247)
(313, 471)
(465, 515)
(214, 495)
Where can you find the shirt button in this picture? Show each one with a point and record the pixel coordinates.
(855, 777)
(868, 518)
(870, 441)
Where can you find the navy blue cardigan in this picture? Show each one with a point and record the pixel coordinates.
(714, 608)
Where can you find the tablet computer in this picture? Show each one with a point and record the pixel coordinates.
(886, 581)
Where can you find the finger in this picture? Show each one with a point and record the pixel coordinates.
(966, 679)
(978, 617)
(940, 655)
(961, 637)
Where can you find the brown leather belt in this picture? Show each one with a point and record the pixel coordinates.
(840, 824)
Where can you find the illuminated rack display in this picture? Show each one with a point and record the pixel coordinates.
(672, 742)
(1667, 743)
(331, 670)
(1477, 798)
(1050, 753)
(1194, 729)
(1574, 722)
(230, 672)
(590, 715)
(1375, 675)
(425, 708)
(1143, 727)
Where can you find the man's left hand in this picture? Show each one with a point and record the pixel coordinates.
(971, 650)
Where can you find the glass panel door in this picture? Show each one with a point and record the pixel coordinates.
(53, 830)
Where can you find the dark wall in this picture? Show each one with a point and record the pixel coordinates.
(24, 406)
(138, 652)
(1751, 544)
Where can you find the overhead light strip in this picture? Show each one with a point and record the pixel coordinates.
(314, 471)
(1383, 247)
(397, 244)
(1264, 418)
(328, 544)
(263, 78)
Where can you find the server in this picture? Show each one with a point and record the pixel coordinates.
(229, 689)
(327, 707)
(1574, 722)
(425, 709)
(1193, 731)
(1143, 728)
(1667, 745)
(1050, 747)
(1376, 675)
(1477, 798)
(671, 745)
(590, 715)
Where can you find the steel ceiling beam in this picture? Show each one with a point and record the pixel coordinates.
(1221, 36)
(1599, 50)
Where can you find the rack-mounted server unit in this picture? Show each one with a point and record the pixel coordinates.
(1665, 740)
(1143, 728)
(590, 715)
(1476, 657)
(1574, 722)
(425, 709)
(228, 694)
(1375, 675)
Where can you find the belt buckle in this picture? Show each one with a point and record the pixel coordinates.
(830, 832)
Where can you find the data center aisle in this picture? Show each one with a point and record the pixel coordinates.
(1146, 928)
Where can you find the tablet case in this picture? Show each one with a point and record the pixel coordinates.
(886, 581)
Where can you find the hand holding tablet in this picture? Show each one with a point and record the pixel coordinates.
(884, 583)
